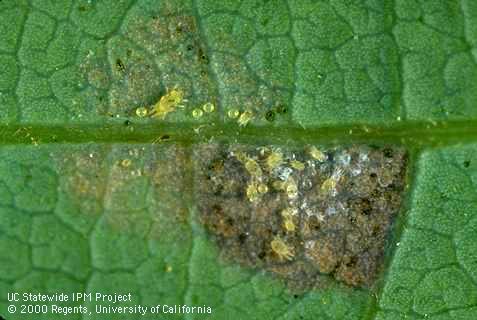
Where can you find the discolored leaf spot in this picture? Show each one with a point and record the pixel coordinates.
(304, 214)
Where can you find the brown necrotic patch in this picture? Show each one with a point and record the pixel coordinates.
(305, 215)
(137, 189)
(156, 50)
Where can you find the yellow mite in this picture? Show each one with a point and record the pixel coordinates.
(289, 225)
(328, 185)
(274, 160)
(168, 103)
(295, 164)
(281, 249)
(245, 118)
(291, 188)
(317, 154)
(241, 156)
(252, 192)
(279, 185)
(289, 212)
(253, 168)
(255, 190)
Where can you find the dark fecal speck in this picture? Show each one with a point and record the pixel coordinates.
(270, 115)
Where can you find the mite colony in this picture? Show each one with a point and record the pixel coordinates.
(305, 215)
(174, 99)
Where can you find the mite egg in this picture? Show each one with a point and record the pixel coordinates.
(208, 107)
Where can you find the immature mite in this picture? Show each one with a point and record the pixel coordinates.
(253, 168)
(274, 160)
(281, 249)
(291, 188)
(279, 185)
(245, 118)
(240, 156)
(168, 103)
(288, 223)
(329, 185)
(295, 164)
(252, 192)
(289, 212)
(317, 154)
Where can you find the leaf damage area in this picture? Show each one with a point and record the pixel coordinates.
(307, 215)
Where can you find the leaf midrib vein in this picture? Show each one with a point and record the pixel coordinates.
(410, 133)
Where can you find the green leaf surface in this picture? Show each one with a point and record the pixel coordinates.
(94, 198)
